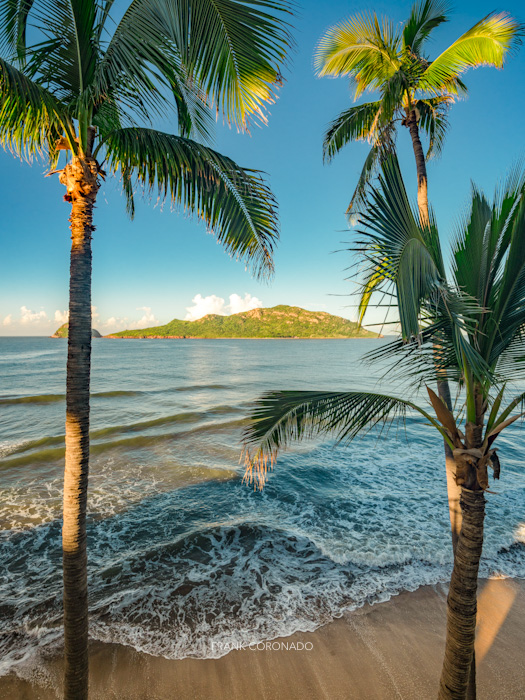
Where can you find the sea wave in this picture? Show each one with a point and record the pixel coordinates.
(37, 455)
(200, 593)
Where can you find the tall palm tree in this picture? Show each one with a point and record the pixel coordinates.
(75, 82)
(414, 91)
(478, 315)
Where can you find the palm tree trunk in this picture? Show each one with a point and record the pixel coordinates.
(453, 490)
(422, 190)
(82, 187)
(462, 599)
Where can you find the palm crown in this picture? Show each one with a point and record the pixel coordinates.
(413, 90)
(71, 79)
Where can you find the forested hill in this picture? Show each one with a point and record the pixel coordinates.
(276, 322)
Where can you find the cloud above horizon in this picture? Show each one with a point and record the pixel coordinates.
(115, 323)
(28, 316)
(212, 304)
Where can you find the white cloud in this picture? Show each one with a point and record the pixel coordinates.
(121, 323)
(148, 319)
(238, 304)
(29, 316)
(61, 316)
(213, 304)
(205, 305)
(8, 320)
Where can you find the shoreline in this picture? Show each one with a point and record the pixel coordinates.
(222, 337)
(382, 651)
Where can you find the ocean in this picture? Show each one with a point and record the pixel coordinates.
(184, 559)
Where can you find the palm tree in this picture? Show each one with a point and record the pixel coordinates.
(413, 91)
(478, 316)
(72, 80)
(377, 56)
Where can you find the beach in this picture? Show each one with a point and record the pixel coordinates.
(383, 651)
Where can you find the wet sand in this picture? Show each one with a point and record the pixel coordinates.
(385, 651)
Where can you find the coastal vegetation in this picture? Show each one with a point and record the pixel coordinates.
(83, 92)
(63, 332)
(466, 325)
(277, 322)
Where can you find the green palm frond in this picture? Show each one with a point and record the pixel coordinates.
(425, 16)
(398, 249)
(474, 248)
(364, 48)
(230, 50)
(367, 173)
(505, 323)
(434, 121)
(65, 59)
(236, 49)
(13, 28)
(380, 151)
(487, 43)
(489, 264)
(30, 117)
(235, 203)
(281, 417)
(359, 123)
(139, 66)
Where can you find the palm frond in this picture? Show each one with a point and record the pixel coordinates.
(354, 124)
(425, 16)
(487, 43)
(13, 28)
(282, 417)
(368, 171)
(398, 249)
(236, 50)
(434, 121)
(30, 117)
(235, 203)
(364, 48)
(139, 66)
(489, 264)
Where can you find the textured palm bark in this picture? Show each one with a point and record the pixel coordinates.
(422, 187)
(80, 178)
(453, 490)
(462, 599)
(454, 511)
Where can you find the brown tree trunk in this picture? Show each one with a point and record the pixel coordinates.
(462, 599)
(453, 490)
(81, 181)
(422, 190)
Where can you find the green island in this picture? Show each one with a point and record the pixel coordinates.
(275, 322)
(62, 332)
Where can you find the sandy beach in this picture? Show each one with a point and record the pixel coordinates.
(384, 651)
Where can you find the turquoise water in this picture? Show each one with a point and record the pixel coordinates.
(185, 560)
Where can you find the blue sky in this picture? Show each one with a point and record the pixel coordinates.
(150, 270)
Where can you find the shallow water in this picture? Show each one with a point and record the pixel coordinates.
(184, 559)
